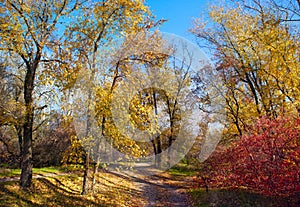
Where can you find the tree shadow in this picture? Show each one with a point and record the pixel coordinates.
(18, 198)
(157, 190)
(117, 186)
(134, 178)
(239, 198)
(61, 185)
(54, 196)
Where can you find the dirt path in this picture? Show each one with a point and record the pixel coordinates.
(162, 189)
(165, 191)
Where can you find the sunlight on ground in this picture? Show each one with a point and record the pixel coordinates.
(110, 190)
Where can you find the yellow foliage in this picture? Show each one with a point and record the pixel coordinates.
(258, 56)
(75, 153)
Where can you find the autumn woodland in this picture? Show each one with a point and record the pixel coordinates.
(98, 107)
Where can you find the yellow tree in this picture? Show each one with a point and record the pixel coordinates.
(258, 60)
(96, 27)
(28, 30)
(156, 93)
(133, 53)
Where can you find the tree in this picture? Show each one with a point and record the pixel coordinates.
(104, 22)
(160, 90)
(136, 53)
(254, 59)
(29, 30)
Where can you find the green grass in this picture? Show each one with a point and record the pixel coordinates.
(47, 170)
(7, 172)
(182, 170)
(236, 197)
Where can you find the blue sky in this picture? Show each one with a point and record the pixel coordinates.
(179, 13)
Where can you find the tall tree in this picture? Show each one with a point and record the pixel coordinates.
(258, 61)
(28, 30)
(106, 21)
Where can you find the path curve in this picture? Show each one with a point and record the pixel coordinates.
(160, 190)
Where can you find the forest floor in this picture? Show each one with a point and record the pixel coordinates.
(55, 187)
(114, 188)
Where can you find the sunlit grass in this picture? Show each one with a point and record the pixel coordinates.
(65, 190)
(47, 170)
(7, 172)
(182, 169)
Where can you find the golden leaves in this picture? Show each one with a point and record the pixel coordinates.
(258, 57)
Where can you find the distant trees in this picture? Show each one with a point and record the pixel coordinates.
(51, 142)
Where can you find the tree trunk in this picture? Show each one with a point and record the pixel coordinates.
(154, 146)
(88, 134)
(86, 176)
(158, 148)
(159, 151)
(98, 147)
(20, 141)
(170, 141)
(26, 165)
(95, 171)
(172, 128)
(86, 187)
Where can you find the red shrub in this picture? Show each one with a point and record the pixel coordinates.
(266, 160)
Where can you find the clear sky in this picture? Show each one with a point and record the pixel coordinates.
(179, 13)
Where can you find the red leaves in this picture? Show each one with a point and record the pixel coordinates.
(266, 160)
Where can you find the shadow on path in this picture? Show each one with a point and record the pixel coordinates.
(160, 189)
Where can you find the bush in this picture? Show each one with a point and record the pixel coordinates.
(265, 160)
